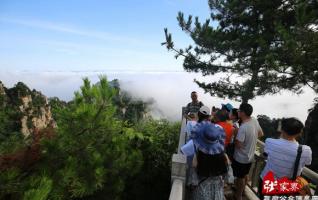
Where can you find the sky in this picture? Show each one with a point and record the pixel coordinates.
(91, 35)
(51, 45)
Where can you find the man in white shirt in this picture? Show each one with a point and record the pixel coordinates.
(245, 145)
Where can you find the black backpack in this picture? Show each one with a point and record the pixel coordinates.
(200, 103)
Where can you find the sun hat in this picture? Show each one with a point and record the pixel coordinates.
(227, 106)
(205, 110)
(208, 138)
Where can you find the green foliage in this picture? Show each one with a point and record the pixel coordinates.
(10, 114)
(91, 151)
(299, 43)
(252, 45)
(38, 100)
(95, 147)
(10, 183)
(56, 105)
(41, 190)
(129, 108)
(21, 89)
(10, 138)
(11, 142)
(18, 91)
(10, 111)
(315, 105)
(269, 126)
(10, 120)
(153, 180)
(95, 153)
(2, 100)
(310, 136)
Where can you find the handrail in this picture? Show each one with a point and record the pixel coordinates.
(182, 136)
(177, 192)
(178, 166)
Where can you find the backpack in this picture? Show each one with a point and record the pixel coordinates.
(200, 103)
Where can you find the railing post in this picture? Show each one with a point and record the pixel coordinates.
(178, 176)
(179, 167)
(258, 167)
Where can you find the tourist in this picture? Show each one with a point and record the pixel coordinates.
(190, 124)
(234, 120)
(281, 153)
(226, 109)
(220, 119)
(245, 145)
(210, 160)
(193, 106)
(213, 112)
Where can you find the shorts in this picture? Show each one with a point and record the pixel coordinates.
(240, 170)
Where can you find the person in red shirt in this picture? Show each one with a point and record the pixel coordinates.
(221, 119)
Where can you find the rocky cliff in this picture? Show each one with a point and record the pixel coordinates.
(28, 109)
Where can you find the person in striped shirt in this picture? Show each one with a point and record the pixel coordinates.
(281, 153)
(194, 106)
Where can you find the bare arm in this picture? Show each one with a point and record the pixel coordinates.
(260, 133)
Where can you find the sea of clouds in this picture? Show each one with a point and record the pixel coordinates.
(170, 90)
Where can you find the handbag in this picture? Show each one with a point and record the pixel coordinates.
(304, 185)
(229, 176)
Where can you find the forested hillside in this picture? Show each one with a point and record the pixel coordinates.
(103, 144)
(100, 145)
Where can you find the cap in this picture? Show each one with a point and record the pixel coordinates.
(205, 110)
(227, 106)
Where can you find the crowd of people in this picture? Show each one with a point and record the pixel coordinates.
(225, 139)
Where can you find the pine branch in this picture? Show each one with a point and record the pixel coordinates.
(101, 108)
(312, 87)
(179, 53)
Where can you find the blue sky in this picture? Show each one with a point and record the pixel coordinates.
(85, 35)
(52, 44)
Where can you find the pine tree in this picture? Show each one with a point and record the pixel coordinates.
(243, 44)
(299, 43)
(94, 153)
(90, 151)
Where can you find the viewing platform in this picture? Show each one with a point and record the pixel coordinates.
(179, 168)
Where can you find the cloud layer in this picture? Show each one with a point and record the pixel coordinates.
(171, 91)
